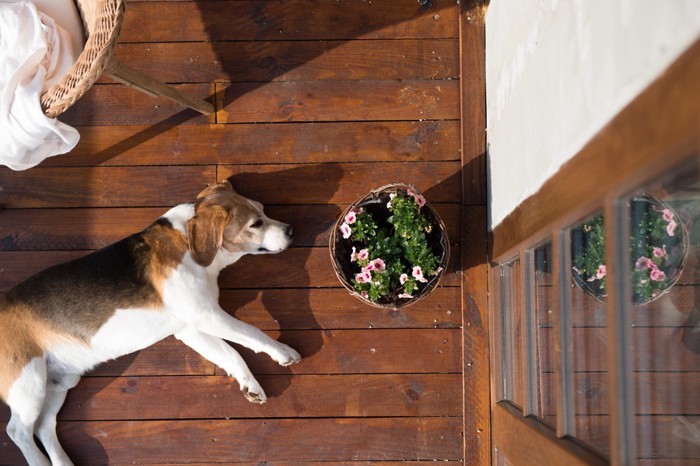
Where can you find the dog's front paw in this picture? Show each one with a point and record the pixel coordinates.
(253, 391)
(286, 356)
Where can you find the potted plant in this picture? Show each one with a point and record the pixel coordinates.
(658, 248)
(390, 247)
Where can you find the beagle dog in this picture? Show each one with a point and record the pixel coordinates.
(162, 281)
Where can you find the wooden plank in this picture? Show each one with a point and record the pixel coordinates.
(93, 228)
(103, 186)
(413, 141)
(267, 61)
(328, 308)
(657, 437)
(293, 268)
(342, 183)
(219, 397)
(324, 352)
(665, 349)
(287, 20)
(209, 441)
(475, 337)
(656, 393)
(472, 22)
(115, 104)
(297, 101)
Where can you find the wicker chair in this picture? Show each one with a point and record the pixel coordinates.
(102, 20)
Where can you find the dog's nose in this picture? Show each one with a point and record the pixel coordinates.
(289, 231)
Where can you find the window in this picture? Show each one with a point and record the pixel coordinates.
(595, 321)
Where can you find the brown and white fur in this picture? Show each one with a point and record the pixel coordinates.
(162, 281)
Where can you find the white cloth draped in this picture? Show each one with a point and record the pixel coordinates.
(34, 54)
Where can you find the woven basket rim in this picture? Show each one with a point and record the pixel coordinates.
(101, 26)
(373, 195)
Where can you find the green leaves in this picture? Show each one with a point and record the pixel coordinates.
(394, 233)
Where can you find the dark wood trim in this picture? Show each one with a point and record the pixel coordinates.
(654, 132)
(527, 441)
(475, 309)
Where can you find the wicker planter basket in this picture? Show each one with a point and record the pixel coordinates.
(375, 202)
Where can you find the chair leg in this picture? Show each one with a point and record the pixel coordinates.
(148, 85)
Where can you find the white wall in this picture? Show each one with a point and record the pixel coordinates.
(558, 70)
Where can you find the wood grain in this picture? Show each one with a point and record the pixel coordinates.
(275, 60)
(162, 144)
(102, 186)
(296, 101)
(219, 397)
(288, 20)
(324, 352)
(340, 183)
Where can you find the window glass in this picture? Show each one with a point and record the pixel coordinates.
(585, 335)
(542, 337)
(664, 317)
(512, 327)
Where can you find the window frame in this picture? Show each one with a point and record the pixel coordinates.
(656, 132)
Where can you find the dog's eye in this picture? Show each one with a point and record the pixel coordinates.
(257, 224)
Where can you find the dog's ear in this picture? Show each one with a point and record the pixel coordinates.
(205, 233)
(216, 187)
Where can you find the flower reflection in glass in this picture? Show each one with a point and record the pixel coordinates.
(657, 250)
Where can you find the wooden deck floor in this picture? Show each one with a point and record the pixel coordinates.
(317, 103)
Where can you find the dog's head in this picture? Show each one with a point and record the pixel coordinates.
(225, 219)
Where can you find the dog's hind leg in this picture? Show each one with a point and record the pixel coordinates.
(223, 355)
(26, 400)
(56, 389)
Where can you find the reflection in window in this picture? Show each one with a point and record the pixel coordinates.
(542, 329)
(664, 318)
(511, 310)
(586, 335)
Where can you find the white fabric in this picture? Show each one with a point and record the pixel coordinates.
(34, 54)
(65, 14)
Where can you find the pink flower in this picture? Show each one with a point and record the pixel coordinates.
(353, 255)
(403, 278)
(418, 274)
(601, 272)
(671, 227)
(351, 217)
(668, 215)
(405, 296)
(363, 277)
(362, 255)
(420, 200)
(345, 230)
(644, 263)
(368, 268)
(657, 275)
(378, 265)
(659, 252)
